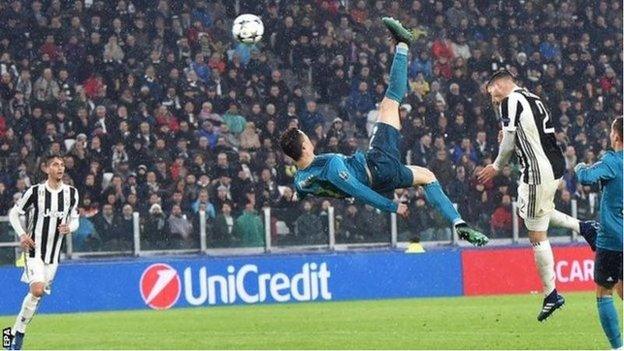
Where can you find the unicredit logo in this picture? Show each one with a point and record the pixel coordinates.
(160, 286)
(248, 284)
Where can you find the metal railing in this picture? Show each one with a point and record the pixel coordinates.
(269, 245)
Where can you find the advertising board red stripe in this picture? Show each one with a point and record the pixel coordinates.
(512, 270)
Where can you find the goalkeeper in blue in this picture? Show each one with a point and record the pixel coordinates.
(364, 176)
(608, 243)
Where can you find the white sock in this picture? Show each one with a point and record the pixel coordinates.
(560, 219)
(458, 221)
(402, 48)
(29, 306)
(545, 263)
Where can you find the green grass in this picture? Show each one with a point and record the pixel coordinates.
(507, 322)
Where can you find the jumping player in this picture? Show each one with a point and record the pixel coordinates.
(365, 176)
(528, 130)
(608, 244)
(52, 211)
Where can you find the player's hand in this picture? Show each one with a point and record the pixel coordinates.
(486, 174)
(500, 136)
(63, 229)
(403, 210)
(26, 242)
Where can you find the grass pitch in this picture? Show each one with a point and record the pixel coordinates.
(501, 322)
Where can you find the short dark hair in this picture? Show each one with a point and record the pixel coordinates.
(617, 125)
(49, 157)
(291, 143)
(502, 73)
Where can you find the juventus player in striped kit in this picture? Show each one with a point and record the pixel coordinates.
(528, 130)
(51, 209)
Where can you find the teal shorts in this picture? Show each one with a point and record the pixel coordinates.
(384, 160)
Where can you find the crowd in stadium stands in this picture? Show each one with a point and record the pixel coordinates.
(159, 111)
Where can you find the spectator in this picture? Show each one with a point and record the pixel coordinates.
(442, 167)
(311, 117)
(223, 233)
(156, 232)
(46, 89)
(374, 224)
(419, 221)
(180, 227)
(5, 202)
(267, 187)
(204, 200)
(235, 122)
(336, 130)
(350, 226)
(307, 225)
(501, 218)
(85, 238)
(249, 228)
(105, 224)
(125, 230)
(465, 148)
(421, 65)
(358, 105)
(249, 138)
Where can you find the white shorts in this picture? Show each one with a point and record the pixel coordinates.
(536, 202)
(35, 271)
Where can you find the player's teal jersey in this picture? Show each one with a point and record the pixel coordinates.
(340, 176)
(607, 172)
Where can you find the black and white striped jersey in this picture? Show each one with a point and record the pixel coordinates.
(45, 209)
(536, 146)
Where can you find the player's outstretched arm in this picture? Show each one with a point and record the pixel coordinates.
(339, 175)
(601, 170)
(508, 110)
(505, 150)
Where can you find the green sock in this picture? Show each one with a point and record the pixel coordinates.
(609, 320)
(398, 74)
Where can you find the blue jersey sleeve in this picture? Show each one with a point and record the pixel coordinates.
(601, 170)
(339, 175)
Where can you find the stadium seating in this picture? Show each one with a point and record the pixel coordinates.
(152, 104)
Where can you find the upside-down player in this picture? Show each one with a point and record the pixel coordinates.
(528, 130)
(52, 211)
(364, 176)
(608, 244)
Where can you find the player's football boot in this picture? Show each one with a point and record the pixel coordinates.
(589, 231)
(18, 340)
(551, 302)
(471, 235)
(399, 33)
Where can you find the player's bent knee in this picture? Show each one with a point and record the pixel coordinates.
(388, 104)
(422, 175)
(536, 236)
(603, 290)
(37, 289)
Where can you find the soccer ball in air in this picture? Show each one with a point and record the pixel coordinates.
(248, 29)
